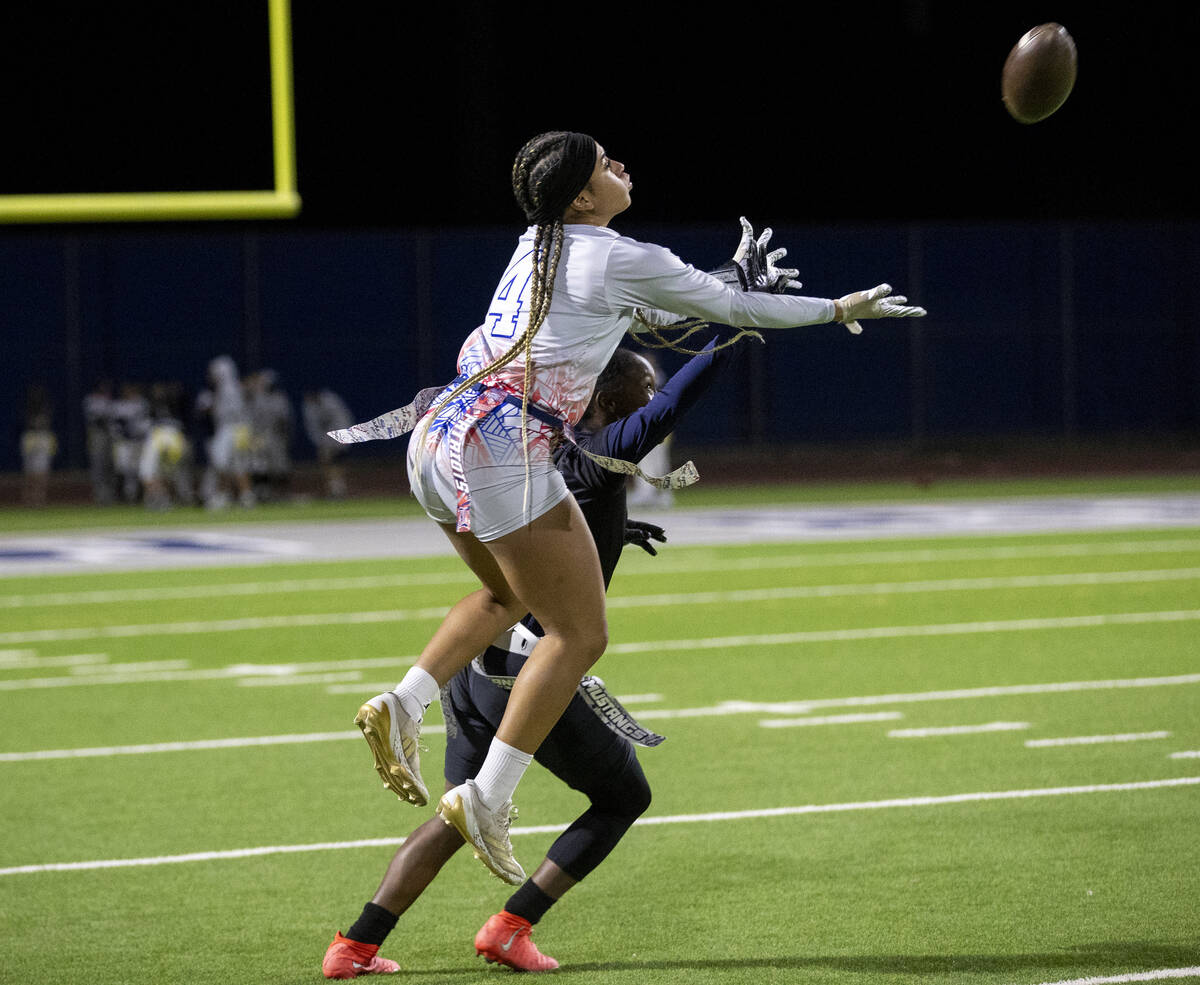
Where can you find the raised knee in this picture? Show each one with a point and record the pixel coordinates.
(587, 643)
(639, 797)
(600, 639)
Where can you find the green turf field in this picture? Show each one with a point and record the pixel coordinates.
(920, 761)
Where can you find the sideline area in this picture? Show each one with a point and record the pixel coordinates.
(82, 551)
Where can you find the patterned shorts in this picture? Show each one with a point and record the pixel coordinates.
(487, 455)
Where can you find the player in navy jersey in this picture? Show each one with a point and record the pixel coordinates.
(625, 419)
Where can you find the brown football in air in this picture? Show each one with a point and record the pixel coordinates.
(1039, 73)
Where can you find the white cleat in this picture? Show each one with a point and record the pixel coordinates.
(392, 735)
(486, 831)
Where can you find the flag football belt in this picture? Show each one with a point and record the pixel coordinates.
(591, 689)
(482, 400)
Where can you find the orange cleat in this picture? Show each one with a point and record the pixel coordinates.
(349, 959)
(504, 939)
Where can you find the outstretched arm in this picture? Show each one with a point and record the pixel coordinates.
(643, 276)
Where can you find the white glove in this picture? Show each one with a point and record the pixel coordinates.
(878, 302)
(779, 279)
(753, 268)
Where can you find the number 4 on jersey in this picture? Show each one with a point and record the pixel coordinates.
(507, 309)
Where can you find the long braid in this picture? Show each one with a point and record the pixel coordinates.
(534, 160)
(688, 327)
(545, 266)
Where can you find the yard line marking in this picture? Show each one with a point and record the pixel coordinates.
(722, 709)
(167, 593)
(993, 691)
(896, 632)
(1089, 740)
(900, 802)
(868, 716)
(782, 593)
(401, 615)
(1135, 976)
(92, 668)
(247, 623)
(639, 699)
(193, 745)
(67, 660)
(908, 587)
(293, 680)
(661, 565)
(13, 656)
(921, 733)
(232, 672)
(1186, 754)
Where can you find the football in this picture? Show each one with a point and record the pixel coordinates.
(1039, 73)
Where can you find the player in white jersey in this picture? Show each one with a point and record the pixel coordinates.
(480, 460)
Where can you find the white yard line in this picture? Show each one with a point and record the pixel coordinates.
(866, 805)
(298, 673)
(725, 708)
(851, 719)
(956, 694)
(246, 624)
(32, 660)
(309, 620)
(991, 583)
(1091, 740)
(899, 632)
(189, 746)
(1186, 754)
(1133, 976)
(922, 733)
(235, 589)
(995, 583)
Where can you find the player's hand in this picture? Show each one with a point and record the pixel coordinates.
(758, 267)
(778, 279)
(641, 533)
(753, 268)
(878, 302)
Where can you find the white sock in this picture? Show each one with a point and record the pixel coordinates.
(501, 772)
(416, 692)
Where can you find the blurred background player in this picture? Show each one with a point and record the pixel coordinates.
(223, 407)
(130, 423)
(165, 464)
(272, 423)
(39, 445)
(98, 426)
(625, 419)
(325, 411)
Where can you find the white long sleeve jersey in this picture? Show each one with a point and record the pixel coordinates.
(603, 279)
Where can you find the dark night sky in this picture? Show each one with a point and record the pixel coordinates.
(409, 116)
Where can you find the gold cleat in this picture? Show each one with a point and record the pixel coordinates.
(392, 736)
(485, 831)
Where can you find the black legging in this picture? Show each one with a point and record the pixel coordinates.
(580, 750)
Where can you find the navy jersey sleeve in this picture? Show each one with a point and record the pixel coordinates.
(631, 438)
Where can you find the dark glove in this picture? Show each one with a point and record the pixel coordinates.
(641, 533)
